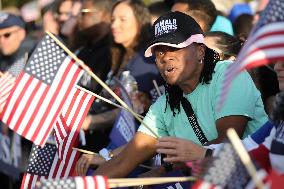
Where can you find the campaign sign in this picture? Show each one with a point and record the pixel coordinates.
(124, 127)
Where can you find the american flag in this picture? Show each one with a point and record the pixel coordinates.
(87, 182)
(71, 119)
(60, 133)
(8, 78)
(225, 171)
(264, 45)
(74, 111)
(45, 164)
(40, 91)
(7, 81)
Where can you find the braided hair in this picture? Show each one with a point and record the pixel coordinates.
(174, 93)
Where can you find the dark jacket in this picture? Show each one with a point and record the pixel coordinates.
(97, 56)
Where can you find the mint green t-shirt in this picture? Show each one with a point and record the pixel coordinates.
(243, 99)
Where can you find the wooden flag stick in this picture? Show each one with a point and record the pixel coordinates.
(127, 182)
(157, 88)
(26, 57)
(146, 166)
(85, 151)
(244, 156)
(87, 69)
(114, 183)
(104, 99)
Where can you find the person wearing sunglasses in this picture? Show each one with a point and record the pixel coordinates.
(13, 43)
(94, 48)
(13, 47)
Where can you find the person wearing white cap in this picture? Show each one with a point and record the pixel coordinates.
(187, 110)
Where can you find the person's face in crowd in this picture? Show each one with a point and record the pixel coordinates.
(11, 39)
(65, 10)
(279, 69)
(179, 66)
(181, 7)
(124, 24)
(89, 16)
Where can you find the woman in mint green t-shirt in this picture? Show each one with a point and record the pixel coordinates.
(193, 75)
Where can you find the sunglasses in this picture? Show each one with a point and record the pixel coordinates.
(8, 34)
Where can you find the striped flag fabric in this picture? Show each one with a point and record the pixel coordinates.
(205, 185)
(44, 163)
(8, 78)
(264, 45)
(60, 133)
(87, 182)
(40, 163)
(40, 92)
(62, 164)
(7, 82)
(69, 123)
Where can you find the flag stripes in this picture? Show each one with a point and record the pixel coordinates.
(74, 111)
(30, 181)
(88, 182)
(62, 168)
(60, 133)
(61, 128)
(59, 169)
(259, 48)
(7, 82)
(264, 45)
(205, 185)
(33, 106)
(73, 115)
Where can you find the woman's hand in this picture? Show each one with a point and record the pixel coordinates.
(180, 150)
(87, 160)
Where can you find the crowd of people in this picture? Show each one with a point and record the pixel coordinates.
(185, 47)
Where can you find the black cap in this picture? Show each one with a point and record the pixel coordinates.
(8, 20)
(175, 29)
